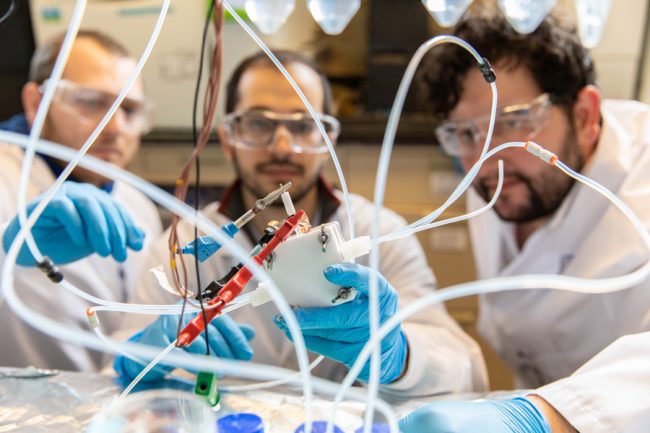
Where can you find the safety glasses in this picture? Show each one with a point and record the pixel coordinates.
(257, 129)
(91, 105)
(515, 122)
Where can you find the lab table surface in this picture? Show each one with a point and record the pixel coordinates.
(66, 402)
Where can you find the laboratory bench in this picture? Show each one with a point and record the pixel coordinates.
(66, 402)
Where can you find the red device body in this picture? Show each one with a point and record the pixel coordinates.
(236, 284)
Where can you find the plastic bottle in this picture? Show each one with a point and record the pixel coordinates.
(318, 427)
(240, 423)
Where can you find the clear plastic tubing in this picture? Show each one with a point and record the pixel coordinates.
(93, 136)
(41, 114)
(147, 369)
(475, 168)
(87, 339)
(312, 112)
(380, 187)
(271, 384)
(403, 233)
(526, 282)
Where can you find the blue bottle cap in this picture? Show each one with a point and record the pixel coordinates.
(240, 423)
(376, 428)
(318, 427)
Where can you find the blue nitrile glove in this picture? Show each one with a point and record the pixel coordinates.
(518, 415)
(207, 245)
(81, 219)
(227, 339)
(340, 332)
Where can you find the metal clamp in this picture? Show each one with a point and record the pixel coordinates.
(344, 292)
(324, 238)
(268, 262)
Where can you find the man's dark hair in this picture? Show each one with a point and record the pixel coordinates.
(553, 54)
(286, 58)
(45, 55)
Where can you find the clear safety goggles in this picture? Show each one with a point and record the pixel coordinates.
(91, 105)
(257, 129)
(518, 122)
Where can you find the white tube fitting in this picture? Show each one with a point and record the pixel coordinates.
(356, 247)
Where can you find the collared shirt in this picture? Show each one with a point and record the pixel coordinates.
(232, 205)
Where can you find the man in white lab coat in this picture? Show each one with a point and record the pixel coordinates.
(270, 139)
(96, 71)
(543, 223)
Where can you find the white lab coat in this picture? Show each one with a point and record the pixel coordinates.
(442, 358)
(611, 393)
(545, 334)
(103, 277)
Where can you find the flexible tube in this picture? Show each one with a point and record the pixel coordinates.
(156, 310)
(271, 384)
(41, 114)
(403, 233)
(493, 285)
(147, 369)
(312, 112)
(470, 175)
(164, 199)
(177, 311)
(380, 187)
(116, 348)
(412, 228)
(91, 139)
(182, 359)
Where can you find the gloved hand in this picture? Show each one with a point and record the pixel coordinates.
(226, 338)
(340, 332)
(518, 415)
(79, 220)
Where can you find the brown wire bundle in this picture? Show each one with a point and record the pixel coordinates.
(182, 184)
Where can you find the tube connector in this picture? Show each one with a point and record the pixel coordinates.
(260, 295)
(288, 203)
(488, 73)
(93, 320)
(543, 154)
(356, 247)
(50, 269)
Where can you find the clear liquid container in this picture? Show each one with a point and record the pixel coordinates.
(156, 411)
(526, 15)
(446, 12)
(333, 15)
(269, 15)
(592, 16)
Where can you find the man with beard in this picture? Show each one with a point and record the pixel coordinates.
(270, 139)
(88, 215)
(544, 223)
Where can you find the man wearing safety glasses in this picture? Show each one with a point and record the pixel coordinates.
(270, 139)
(89, 213)
(544, 223)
